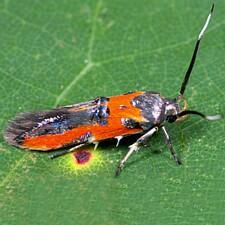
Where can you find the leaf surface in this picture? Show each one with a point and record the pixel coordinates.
(64, 52)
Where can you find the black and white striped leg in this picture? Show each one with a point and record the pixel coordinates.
(170, 146)
(134, 148)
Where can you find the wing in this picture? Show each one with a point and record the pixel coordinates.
(87, 122)
(35, 130)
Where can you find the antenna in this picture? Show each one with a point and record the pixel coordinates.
(192, 63)
(173, 118)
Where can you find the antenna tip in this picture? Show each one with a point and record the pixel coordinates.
(214, 117)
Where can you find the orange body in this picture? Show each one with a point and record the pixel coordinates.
(120, 107)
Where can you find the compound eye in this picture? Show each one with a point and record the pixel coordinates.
(171, 118)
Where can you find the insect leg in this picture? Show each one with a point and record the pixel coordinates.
(66, 151)
(170, 146)
(134, 148)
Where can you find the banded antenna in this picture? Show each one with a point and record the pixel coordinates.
(173, 118)
(192, 63)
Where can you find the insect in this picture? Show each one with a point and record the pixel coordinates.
(78, 125)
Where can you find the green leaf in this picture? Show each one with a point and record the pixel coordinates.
(64, 52)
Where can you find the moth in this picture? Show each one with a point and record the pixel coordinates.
(75, 126)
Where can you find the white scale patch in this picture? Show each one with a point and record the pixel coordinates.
(171, 107)
(156, 111)
(47, 121)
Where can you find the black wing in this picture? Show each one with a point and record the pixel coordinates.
(55, 121)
